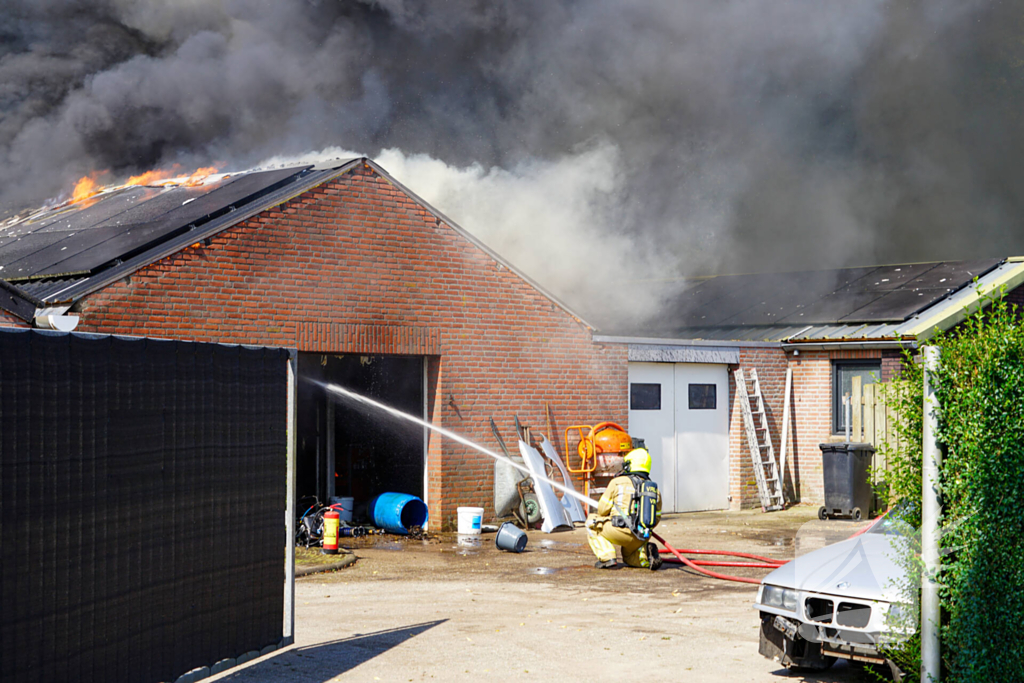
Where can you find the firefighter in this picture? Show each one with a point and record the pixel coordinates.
(607, 528)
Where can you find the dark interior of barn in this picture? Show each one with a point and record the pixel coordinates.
(372, 452)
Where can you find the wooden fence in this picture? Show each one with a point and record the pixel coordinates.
(872, 421)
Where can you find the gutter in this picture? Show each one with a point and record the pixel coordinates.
(852, 344)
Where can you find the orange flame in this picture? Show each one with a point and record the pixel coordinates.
(173, 173)
(199, 175)
(154, 176)
(84, 188)
(87, 186)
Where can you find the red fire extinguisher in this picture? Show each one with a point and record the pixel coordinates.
(332, 520)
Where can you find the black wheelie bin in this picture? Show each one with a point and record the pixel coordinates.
(848, 491)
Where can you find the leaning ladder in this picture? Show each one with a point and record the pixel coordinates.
(766, 469)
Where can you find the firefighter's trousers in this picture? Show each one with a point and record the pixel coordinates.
(603, 537)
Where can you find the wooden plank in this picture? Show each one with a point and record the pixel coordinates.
(880, 428)
(891, 433)
(856, 408)
(869, 415)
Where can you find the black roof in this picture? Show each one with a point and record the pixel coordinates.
(845, 296)
(57, 255)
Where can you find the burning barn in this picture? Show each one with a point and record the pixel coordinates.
(376, 290)
(382, 294)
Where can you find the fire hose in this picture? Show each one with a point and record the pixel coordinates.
(764, 562)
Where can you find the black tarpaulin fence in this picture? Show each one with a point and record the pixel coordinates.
(142, 485)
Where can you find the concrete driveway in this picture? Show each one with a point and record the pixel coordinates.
(438, 610)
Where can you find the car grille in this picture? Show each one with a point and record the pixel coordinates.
(819, 609)
(853, 615)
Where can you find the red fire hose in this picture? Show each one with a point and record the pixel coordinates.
(766, 563)
(731, 553)
(708, 563)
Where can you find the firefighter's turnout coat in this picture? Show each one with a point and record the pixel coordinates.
(605, 529)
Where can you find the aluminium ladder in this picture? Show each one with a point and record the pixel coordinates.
(766, 469)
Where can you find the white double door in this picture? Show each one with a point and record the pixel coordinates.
(681, 410)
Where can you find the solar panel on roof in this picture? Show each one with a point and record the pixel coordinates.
(888, 278)
(954, 274)
(834, 280)
(896, 305)
(75, 217)
(61, 256)
(130, 227)
(870, 294)
(831, 308)
(161, 204)
(120, 240)
(776, 296)
(15, 255)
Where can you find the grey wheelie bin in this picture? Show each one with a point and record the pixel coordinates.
(848, 492)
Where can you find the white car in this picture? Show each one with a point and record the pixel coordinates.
(840, 601)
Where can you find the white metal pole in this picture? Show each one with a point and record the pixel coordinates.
(930, 511)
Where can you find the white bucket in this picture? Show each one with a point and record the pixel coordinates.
(346, 503)
(470, 520)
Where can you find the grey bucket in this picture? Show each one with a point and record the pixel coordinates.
(510, 538)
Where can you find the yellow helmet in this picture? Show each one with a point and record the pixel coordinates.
(637, 460)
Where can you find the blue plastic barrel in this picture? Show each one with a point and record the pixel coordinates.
(396, 513)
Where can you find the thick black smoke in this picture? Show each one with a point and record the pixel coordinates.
(743, 135)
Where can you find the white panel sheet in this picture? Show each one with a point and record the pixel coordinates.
(571, 505)
(551, 509)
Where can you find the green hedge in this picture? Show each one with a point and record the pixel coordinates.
(980, 388)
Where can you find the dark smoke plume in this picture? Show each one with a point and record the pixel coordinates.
(690, 136)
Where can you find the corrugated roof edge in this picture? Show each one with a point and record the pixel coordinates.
(476, 242)
(17, 302)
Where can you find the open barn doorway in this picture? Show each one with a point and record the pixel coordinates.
(350, 450)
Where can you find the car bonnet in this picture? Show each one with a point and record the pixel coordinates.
(869, 567)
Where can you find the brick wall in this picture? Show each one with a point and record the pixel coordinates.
(8, 320)
(770, 363)
(355, 265)
(810, 417)
(1016, 297)
(811, 425)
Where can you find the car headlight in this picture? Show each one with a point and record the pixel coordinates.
(775, 596)
(902, 615)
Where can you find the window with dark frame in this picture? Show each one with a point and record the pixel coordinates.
(703, 396)
(843, 372)
(644, 396)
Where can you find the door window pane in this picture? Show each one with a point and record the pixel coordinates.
(703, 396)
(645, 397)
